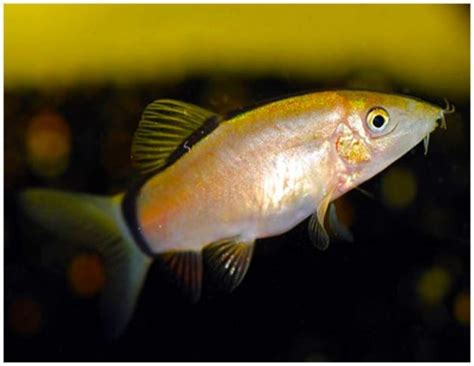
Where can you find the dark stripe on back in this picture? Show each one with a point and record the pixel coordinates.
(207, 127)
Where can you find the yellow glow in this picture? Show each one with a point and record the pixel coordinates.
(398, 187)
(419, 45)
(433, 285)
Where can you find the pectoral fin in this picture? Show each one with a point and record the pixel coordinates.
(317, 233)
(228, 261)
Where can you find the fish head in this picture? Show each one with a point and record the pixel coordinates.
(377, 129)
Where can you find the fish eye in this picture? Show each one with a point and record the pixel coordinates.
(377, 119)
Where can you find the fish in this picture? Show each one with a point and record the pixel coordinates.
(210, 185)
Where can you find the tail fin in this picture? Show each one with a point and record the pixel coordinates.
(80, 221)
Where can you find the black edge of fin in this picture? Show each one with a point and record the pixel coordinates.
(129, 212)
(228, 262)
(184, 268)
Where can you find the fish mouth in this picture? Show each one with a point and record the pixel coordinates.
(450, 108)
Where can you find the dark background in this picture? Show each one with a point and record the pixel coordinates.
(356, 301)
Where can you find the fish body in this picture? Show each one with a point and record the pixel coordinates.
(256, 175)
(264, 171)
(213, 185)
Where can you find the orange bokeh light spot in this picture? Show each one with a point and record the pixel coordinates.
(25, 316)
(462, 305)
(48, 144)
(86, 275)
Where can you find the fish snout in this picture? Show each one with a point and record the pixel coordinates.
(450, 108)
(441, 122)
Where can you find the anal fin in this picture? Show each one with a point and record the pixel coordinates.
(185, 269)
(228, 261)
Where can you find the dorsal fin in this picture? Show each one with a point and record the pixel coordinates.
(165, 125)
